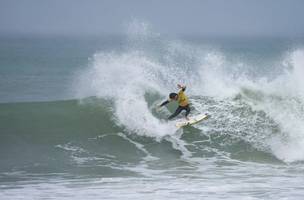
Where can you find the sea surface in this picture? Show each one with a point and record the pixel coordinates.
(79, 117)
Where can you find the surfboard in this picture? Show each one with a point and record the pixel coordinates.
(193, 120)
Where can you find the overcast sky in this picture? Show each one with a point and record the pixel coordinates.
(178, 17)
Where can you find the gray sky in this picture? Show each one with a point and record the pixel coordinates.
(178, 17)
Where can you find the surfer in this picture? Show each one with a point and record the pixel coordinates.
(182, 99)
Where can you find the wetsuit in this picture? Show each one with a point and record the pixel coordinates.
(183, 104)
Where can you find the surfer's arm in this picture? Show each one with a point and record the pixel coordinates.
(183, 88)
(164, 103)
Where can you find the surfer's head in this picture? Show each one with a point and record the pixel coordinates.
(173, 96)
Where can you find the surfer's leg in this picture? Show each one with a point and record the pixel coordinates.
(187, 108)
(178, 110)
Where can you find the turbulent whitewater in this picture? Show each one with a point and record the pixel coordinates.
(85, 125)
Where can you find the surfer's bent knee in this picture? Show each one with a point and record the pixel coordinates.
(187, 110)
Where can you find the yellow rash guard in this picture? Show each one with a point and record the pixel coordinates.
(182, 98)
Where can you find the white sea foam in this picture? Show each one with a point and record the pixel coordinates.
(284, 103)
(281, 98)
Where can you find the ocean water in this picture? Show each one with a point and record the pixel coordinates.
(78, 117)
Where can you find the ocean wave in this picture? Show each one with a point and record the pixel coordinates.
(152, 65)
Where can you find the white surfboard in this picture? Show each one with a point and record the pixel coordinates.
(192, 120)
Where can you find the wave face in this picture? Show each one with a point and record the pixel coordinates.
(111, 129)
